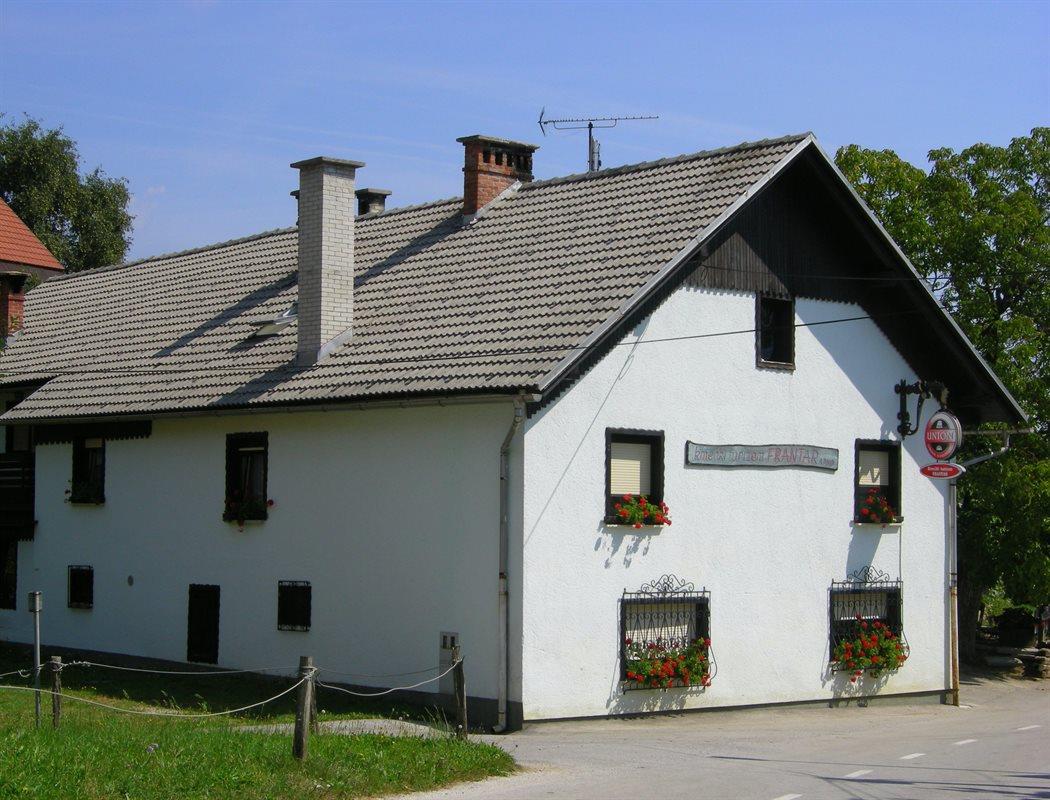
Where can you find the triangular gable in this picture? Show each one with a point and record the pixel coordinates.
(803, 231)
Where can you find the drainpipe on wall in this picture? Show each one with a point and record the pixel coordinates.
(504, 551)
(953, 563)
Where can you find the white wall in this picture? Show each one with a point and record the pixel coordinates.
(392, 515)
(766, 542)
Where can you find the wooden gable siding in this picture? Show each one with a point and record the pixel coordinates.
(790, 241)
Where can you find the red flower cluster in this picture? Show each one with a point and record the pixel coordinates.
(880, 650)
(639, 511)
(664, 664)
(876, 508)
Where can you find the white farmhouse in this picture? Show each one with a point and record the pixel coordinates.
(381, 430)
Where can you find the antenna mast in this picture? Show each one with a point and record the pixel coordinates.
(594, 148)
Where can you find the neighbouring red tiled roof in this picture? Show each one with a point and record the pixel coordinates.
(19, 245)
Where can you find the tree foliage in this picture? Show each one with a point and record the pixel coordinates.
(976, 227)
(82, 219)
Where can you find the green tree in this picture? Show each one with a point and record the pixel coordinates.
(82, 218)
(976, 227)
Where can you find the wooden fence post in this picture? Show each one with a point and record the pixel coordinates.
(315, 721)
(304, 701)
(461, 693)
(56, 690)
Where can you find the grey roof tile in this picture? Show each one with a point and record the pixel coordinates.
(438, 306)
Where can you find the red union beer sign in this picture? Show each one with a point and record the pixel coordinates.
(943, 435)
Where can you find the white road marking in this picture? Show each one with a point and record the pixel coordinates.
(788, 797)
(966, 741)
(858, 773)
(910, 756)
(1029, 727)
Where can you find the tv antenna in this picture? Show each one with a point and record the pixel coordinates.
(594, 147)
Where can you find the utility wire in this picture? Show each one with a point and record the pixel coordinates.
(190, 673)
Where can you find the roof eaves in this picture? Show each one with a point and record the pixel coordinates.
(683, 255)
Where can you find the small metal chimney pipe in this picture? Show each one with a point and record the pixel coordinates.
(371, 201)
(326, 256)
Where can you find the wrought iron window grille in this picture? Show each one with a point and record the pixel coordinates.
(870, 594)
(668, 615)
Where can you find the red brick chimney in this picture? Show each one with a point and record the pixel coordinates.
(490, 166)
(12, 304)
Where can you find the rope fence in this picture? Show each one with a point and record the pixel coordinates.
(305, 717)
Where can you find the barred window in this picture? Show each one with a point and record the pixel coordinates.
(293, 605)
(8, 573)
(81, 593)
(869, 595)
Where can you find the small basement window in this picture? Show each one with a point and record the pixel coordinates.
(246, 468)
(634, 465)
(81, 592)
(877, 477)
(293, 605)
(775, 332)
(8, 573)
(89, 471)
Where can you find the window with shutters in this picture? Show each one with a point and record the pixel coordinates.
(774, 332)
(89, 471)
(293, 605)
(81, 587)
(246, 468)
(634, 465)
(878, 473)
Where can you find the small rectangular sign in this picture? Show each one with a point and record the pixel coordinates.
(761, 455)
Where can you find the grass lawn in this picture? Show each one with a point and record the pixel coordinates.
(103, 754)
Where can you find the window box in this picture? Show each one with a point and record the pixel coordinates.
(246, 475)
(877, 482)
(88, 485)
(774, 332)
(665, 636)
(866, 624)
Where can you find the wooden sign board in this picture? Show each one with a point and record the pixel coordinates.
(762, 455)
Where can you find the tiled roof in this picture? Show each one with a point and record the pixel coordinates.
(439, 307)
(18, 244)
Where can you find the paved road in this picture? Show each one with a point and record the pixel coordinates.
(997, 746)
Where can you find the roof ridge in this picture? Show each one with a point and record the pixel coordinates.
(175, 254)
(660, 162)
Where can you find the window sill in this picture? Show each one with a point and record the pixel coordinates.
(239, 520)
(87, 501)
(300, 628)
(84, 606)
(646, 526)
(895, 523)
(782, 366)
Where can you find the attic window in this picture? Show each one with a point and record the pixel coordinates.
(277, 324)
(775, 332)
(246, 467)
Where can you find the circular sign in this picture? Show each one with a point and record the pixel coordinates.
(943, 435)
(942, 470)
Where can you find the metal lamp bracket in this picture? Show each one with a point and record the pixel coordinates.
(923, 389)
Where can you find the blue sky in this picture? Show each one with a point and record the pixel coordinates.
(202, 105)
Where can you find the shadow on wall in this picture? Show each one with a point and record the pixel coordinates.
(613, 538)
(646, 701)
(856, 364)
(842, 690)
(863, 545)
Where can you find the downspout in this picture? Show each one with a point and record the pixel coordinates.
(953, 562)
(504, 551)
